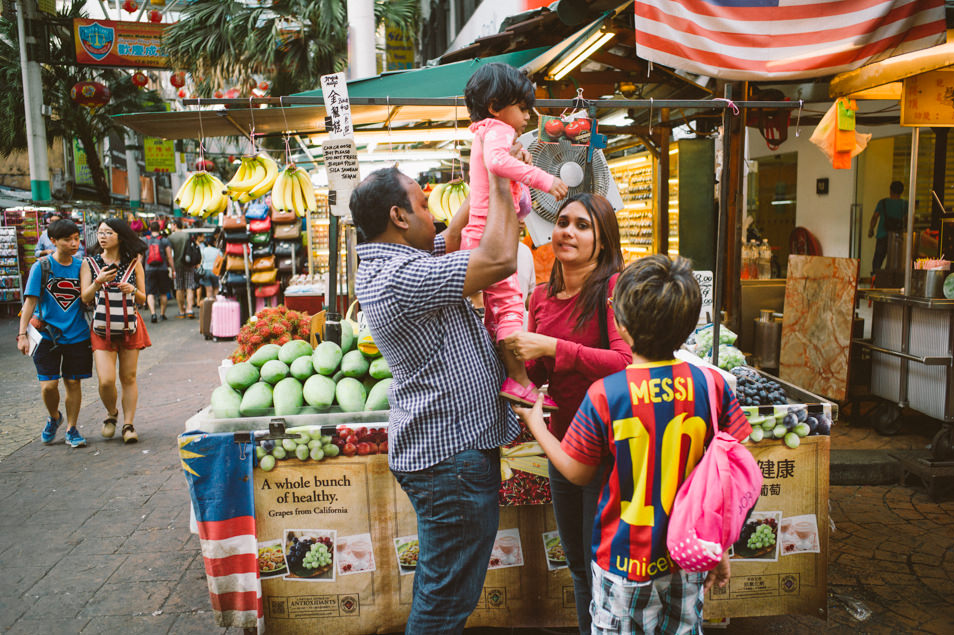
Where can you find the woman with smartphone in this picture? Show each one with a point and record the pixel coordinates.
(113, 277)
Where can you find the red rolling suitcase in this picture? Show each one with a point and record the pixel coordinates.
(205, 317)
(226, 318)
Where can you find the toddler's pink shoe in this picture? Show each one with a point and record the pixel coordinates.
(525, 396)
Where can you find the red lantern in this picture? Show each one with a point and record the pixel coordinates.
(130, 6)
(177, 79)
(232, 93)
(139, 79)
(217, 94)
(90, 94)
(263, 86)
(182, 93)
(204, 165)
(155, 16)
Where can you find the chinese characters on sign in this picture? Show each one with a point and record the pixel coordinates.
(775, 470)
(341, 162)
(928, 99)
(334, 88)
(160, 154)
(109, 43)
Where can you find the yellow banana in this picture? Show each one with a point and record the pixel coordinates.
(434, 201)
(445, 200)
(271, 173)
(288, 190)
(222, 206)
(186, 192)
(277, 202)
(199, 194)
(298, 197)
(243, 198)
(240, 174)
(249, 175)
(455, 200)
(307, 190)
(284, 191)
(214, 201)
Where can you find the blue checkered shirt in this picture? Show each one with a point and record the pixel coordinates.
(444, 397)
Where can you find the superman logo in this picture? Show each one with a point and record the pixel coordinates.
(64, 290)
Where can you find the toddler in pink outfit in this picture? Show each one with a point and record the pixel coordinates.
(499, 99)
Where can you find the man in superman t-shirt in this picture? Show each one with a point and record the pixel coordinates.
(653, 419)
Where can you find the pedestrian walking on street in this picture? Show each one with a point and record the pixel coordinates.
(159, 268)
(447, 420)
(184, 276)
(888, 217)
(52, 305)
(206, 280)
(113, 276)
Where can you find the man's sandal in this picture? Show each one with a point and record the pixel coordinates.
(129, 434)
(109, 425)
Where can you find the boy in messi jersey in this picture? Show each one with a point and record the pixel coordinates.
(653, 419)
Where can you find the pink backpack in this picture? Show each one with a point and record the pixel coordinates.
(712, 504)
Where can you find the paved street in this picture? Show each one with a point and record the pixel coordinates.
(96, 540)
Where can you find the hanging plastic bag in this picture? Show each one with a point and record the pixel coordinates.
(836, 134)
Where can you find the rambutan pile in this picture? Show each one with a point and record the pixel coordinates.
(273, 325)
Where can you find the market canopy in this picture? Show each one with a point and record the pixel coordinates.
(433, 82)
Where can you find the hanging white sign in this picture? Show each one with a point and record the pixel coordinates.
(341, 162)
(334, 89)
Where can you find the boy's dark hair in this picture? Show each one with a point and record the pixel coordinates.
(154, 226)
(658, 301)
(896, 187)
(372, 200)
(63, 228)
(496, 86)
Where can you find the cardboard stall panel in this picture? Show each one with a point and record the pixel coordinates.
(789, 576)
(356, 508)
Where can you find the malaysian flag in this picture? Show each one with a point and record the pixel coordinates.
(219, 472)
(783, 39)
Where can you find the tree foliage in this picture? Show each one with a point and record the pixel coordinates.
(291, 42)
(69, 120)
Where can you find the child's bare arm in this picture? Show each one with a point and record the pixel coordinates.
(576, 472)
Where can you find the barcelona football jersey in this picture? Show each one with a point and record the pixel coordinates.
(655, 421)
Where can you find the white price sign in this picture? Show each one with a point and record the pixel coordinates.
(334, 89)
(341, 162)
(704, 278)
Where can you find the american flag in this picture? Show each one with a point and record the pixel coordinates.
(782, 39)
(219, 472)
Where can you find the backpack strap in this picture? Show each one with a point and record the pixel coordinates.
(719, 455)
(46, 270)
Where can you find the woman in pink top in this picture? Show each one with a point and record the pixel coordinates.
(572, 343)
(499, 99)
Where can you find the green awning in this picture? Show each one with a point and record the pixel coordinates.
(447, 80)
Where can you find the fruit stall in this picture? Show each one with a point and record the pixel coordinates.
(290, 456)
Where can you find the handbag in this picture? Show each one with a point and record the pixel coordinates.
(263, 264)
(236, 235)
(233, 222)
(267, 290)
(285, 248)
(235, 279)
(261, 225)
(280, 217)
(235, 263)
(287, 232)
(285, 264)
(260, 239)
(218, 268)
(262, 250)
(264, 277)
(256, 211)
(113, 314)
(713, 504)
(235, 249)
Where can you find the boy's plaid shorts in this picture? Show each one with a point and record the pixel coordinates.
(670, 605)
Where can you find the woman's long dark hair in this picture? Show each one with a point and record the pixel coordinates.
(609, 259)
(130, 244)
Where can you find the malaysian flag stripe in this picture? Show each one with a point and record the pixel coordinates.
(244, 601)
(229, 565)
(789, 39)
(235, 583)
(219, 529)
(219, 472)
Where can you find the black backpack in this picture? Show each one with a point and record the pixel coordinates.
(192, 255)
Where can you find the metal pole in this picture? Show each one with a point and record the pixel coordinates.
(332, 317)
(718, 274)
(912, 189)
(33, 105)
(132, 170)
(351, 259)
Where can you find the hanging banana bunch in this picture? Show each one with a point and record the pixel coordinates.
(254, 178)
(293, 191)
(202, 194)
(446, 198)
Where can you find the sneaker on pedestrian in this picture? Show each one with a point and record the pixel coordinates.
(52, 425)
(74, 439)
(153, 318)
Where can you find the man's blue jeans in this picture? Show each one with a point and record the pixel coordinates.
(457, 519)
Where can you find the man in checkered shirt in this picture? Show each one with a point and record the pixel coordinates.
(447, 419)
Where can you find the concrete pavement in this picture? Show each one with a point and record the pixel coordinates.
(96, 540)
